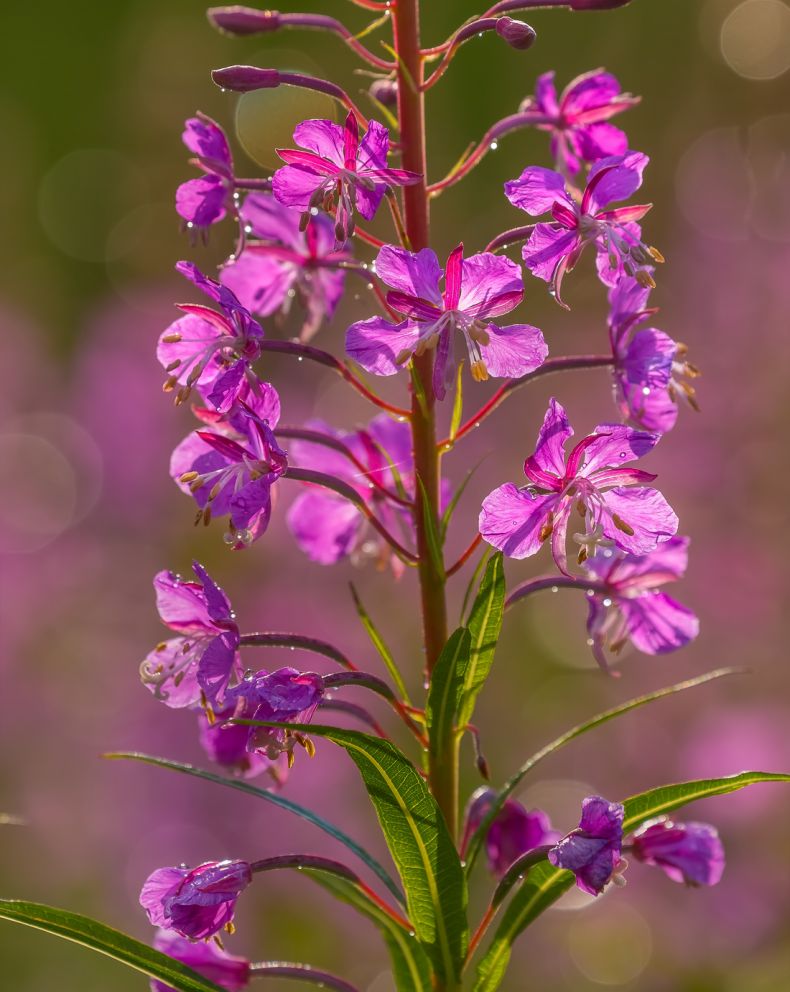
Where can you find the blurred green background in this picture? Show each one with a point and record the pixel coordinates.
(92, 102)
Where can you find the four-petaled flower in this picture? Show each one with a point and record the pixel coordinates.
(592, 851)
(514, 831)
(628, 604)
(197, 665)
(232, 476)
(289, 259)
(338, 172)
(554, 248)
(328, 527)
(284, 696)
(686, 852)
(477, 290)
(591, 481)
(209, 349)
(204, 957)
(650, 369)
(578, 118)
(205, 201)
(195, 902)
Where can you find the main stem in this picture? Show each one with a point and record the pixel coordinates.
(443, 771)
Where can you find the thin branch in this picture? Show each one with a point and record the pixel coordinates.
(356, 711)
(458, 565)
(552, 582)
(550, 367)
(297, 642)
(300, 973)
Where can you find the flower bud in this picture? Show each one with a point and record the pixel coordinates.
(385, 91)
(597, 4)
(517, 34)
(240, 20)
(245, 78)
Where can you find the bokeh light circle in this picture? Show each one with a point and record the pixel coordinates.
(755, 39)
(612, 947)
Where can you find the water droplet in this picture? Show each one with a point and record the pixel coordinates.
(300, 358)
(623, 454)
(590, 642)
(412, 933)
(314, 211)
(607, 602)
(590, 592)
(494, 145)
(555, 588)
(645, 390)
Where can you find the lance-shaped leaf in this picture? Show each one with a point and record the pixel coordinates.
(275, 800)
(582, 728)
(378, 643)
(411, 968)
(418, 839)
(485, 624)
(545, 884)
(114, 944)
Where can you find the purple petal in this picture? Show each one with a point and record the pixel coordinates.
(324, 526)
(552, 437)
(250, 507)
(196, 336)
(227, 387)
(376, 344)
(613, 179)
(648, 359)
(260, 281)
(643, 510)
(537, 190)
(611, 445)
(157, 889)
(592, 861)
(603, 819)
(597, 141)
(514, 350)
(206, 958)
(546, 95)
(511, 520)
(294, 185)
(686, 852)
(657, 623)
(171, 674)
(591, 91)
(271, 221)
(182, 605)
(324, 138)
(206, 139)
(202, 201)
(547, 247)
(413, 273)
(373, 148)
(218, 604)
(491, 285)
(217, 664)
(369, 200)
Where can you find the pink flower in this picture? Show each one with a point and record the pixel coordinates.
(196, 902)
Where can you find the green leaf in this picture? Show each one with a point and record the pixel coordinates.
(458, 403)
(473, 580)
(378, 643)
(545, 884)
(275, 800)
(582, 728)
(445, 691)
(418, 839)
(451, 506)
(98, 937)
(432, 536)
(410, 965)
(485, 624)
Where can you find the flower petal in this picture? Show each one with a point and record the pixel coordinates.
(202, 201)
(324, 526)
(260, 281)
(491, 285)
(657, 623)
(514, 350)
(643, 510)
(511, 520)
(548, 245)
(613, 179)
(553, 434)
(413, 273)
(294, 185)
(182, 605)
(324, 138)
(537, 189)
(376, 344)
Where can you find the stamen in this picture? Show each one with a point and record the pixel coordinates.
(172, 338)
(620, 524)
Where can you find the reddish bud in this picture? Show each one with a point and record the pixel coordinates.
(244, 78)
(243, 20)
(517, 34)
(385, 91)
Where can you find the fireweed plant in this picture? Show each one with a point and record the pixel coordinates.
(442, 324)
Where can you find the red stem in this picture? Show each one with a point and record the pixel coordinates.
(456, 566)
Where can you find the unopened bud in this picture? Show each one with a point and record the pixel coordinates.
(245, 78)
(517, 34)
(385, 91)
(243, 20)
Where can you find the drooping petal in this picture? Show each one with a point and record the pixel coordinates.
(648, 406)
(597, 141)
(413, 273)
(202, 201)
(372, 152)
(512, 519)
(491, 285)
(376, 344)
(217, 664)
(686, 852)
(170, 672)
(657, 623)
(156, 891)
(546, 95)
(324, 526)
(537, 190)
(547, 246)
(591, 91)
(206, 958)
(642, 510)
(250, 507)
(206, 139)
(514, 350)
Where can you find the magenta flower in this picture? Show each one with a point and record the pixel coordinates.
(338, 171)
(284, 696)
(198, 663)
(204, 957)
(650, 369)
(211, 350)
(630, 606)
(514, 831)
(205, 201)
(232, 476)
(328, 527)
(196, 902)
(226, 744)
(477, 289)
(554, 248)
(591, 481)
(592, 851)
(288, 260)
(686, 852)
(578, 120)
